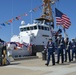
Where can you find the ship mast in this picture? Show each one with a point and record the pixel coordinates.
(47, 15)
(47, 11)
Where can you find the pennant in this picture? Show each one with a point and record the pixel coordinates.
(10, 21)
(25, 14)
(13, 19)
(17, 18)
(3, 24)
(7, 23)
(35, 9)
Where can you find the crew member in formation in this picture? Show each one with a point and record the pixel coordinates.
(51, 50)
(67, 49)
(73, 49)
(60, 49)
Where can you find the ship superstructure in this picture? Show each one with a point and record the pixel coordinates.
(39, 32)
(36, 34)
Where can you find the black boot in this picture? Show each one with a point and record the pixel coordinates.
(46, 64)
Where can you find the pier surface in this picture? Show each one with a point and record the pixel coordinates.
(37, 66)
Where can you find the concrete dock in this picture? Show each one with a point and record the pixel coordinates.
(37, 66)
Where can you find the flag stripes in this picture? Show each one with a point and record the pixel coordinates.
(62, 19)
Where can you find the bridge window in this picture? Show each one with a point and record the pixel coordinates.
(25, 29)
(31, 28)
(47, 28)
(28, 28)
(21, 29)
(42, 28)
(35, 27)
(39, 27)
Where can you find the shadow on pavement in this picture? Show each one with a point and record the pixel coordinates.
(14, 63)
(73, 62)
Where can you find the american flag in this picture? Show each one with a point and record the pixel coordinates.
(62, 19)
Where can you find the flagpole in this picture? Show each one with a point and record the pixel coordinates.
(61, 20)
(65, 34)
(12, 21)
(56, 5)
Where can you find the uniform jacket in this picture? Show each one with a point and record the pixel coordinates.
(50, 46)
(73, 45)
(67, 45)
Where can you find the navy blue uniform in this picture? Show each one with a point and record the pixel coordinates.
(50, 46)
(67, 50)
(73, 50)
(60, 50)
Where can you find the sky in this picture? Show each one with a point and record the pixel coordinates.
(12, 8)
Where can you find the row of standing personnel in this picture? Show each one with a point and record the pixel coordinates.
(63, 47)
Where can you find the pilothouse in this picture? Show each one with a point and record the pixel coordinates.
(37, 33)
